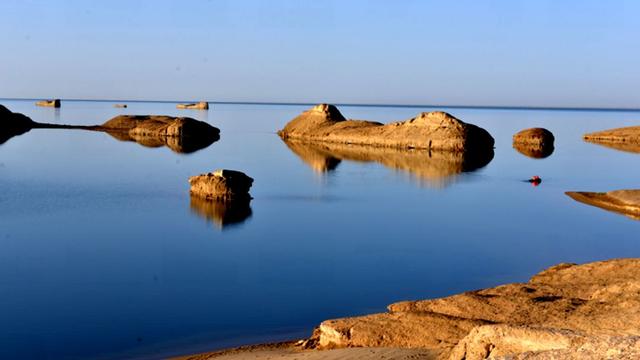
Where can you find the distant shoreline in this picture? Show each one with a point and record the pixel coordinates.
(428, 106)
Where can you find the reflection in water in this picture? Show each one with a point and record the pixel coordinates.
(438, 168)
(532, 151)
(6, 134)
(624, 202)
(625, 146)
(184, 145)
(222, 213)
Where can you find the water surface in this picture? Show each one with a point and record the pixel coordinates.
(105, 255)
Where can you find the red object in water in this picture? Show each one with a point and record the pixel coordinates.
(535, 180)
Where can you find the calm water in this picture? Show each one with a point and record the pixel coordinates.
(105, 256)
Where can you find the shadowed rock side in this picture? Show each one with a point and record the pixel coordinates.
(431, 131)
(433, 167)
(566, 309)
(222, 213)
(181, 134)
(13, 124)
(623, 139)
(49, 103)
(222, 184)
(625, 202)
(535, 143)
(203, 105)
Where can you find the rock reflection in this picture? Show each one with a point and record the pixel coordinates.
(534, 151)
(182, 145)
(624, 202)
(436, 168)
(223, 214)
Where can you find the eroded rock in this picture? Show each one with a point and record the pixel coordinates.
(202, 105)
(625, 202)
(558, 309)
(536, 143)
(49, 103)
(222, 184)
(623, 139)
(431, 131)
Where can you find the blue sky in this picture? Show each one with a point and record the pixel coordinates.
(535, 53)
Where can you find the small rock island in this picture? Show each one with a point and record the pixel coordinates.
(623, 139)
(435, 131)
(55, 103)
(537, 143)
(202, 105)
(222, 184)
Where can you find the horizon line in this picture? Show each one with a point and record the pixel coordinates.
(458, 106)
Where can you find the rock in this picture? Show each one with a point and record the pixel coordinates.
(535, 142)
(203, 105)
(221, 185)
(431, 131)
(120, 106)
(13, 124)
(222, 213)
(624, 139)
(437, 168)
(49, 103)
(181, 134)
(625, 202)
(559, 308)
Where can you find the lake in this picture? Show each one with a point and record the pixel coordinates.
(105, 254)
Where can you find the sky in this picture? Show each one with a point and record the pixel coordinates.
(571, 53)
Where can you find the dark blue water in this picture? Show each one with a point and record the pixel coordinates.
(103, 255)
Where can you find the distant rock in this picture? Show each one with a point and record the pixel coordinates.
(203, 105)
(535, 142)
(49, 103)
(120, 106)
(435, 168)
(624, 139)
(625, 202)
(226, 185)
(565, 310)
(13, 124)
(437, 131)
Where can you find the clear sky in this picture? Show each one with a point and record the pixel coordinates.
(467, 52)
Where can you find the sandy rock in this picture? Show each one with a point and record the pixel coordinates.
(625, 202)
(435, 168)
(535, 142)
(203, 105)
(49, 103)
(431, 131)
(221, 184)
(624, 139)
(120, 106)
(590, 300)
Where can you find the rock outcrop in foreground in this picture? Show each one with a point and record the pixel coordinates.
(624, 139)
(437, 168)
(203, 105)
(224, 185)
(536, 143)
(13, 124)
(567, 311)
(625, 202)
(49, 103)
(437, 131)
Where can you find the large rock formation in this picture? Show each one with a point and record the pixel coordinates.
(225, 185)
(202, 105)
(535, 142)
(49, 103)
(13, 124)
(567, 308)
(437, 168)
(437, 131)
(625, 202)
(624, 139)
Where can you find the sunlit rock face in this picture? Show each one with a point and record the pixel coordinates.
(625, 202)
(55, 103)
(434, 168)
(202, 105)
(222, 184)
(537, 143)
(437, 131)
(13, 124)
(223, 214)
(623, 139)
(559, 309)
(180, 134)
